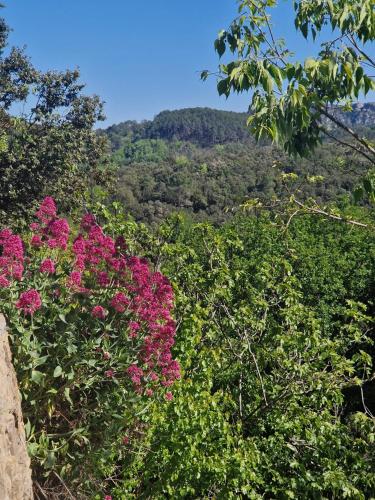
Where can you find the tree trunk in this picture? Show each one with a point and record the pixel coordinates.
(15, 473)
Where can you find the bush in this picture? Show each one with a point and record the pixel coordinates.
(91, 329)
(269, 352)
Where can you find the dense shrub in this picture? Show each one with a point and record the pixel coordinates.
(275, 337)
(91, 329)
(271, 345)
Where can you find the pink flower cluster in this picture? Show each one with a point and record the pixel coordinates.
(99, 312)
(133, 296)
(47, 266)
(147, 296)
(29, 302)
(120, 302)
(50, 230)
(11, 257)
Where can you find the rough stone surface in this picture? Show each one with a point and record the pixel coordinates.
(15, 473)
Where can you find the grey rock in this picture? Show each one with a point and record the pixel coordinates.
(15, 473)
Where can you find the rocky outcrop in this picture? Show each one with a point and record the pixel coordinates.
(362, 115)
(15, 474)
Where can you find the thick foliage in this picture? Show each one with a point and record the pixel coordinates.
(51, 148)
(206, 127)
(276, 343)
(292, 99)
(155, 177)
(91, 332)
(202, 126)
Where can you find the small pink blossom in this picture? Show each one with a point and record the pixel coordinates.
(109, 373)
(133, 329)
(125, 440)
(36, 241)
(58, 233)
(120, 302)
(106, 355)
(47, 210)
(87, 222)
(4, 282)
(135, 374)
(5, 234)
(168, 396)
(47, 266)
(16, 270)
(75, 278)
(29, 301)
(99, 312)
(103, 279)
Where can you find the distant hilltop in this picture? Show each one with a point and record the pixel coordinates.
(362, 115)
(207, 127)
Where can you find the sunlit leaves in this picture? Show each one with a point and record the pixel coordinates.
(293, 91)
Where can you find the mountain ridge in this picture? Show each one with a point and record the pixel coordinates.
(208, 126)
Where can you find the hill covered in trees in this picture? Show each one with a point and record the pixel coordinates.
(203, 126)
(205, 163)
(207, 127)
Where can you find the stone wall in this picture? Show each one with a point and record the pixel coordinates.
(15, 473)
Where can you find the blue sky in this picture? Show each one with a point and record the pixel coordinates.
(141, 57)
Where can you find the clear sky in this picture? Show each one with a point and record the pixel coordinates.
(141, 57)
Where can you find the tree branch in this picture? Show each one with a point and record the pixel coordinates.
(337, 122)
(344, 143)
(319, 211)
(366, 56)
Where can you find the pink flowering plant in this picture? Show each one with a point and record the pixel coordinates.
(92, 330)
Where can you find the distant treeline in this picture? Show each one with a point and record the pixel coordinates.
(202, 126)
(207, 127)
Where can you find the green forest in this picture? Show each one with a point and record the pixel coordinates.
(205, 164)
(190, 300)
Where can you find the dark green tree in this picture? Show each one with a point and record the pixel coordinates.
(51, 148)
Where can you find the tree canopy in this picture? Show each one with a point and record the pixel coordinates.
(51, 148)
(292, 100)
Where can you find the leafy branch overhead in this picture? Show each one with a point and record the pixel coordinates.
(292, 101)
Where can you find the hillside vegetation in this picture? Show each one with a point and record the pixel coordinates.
(207, 127)
(204, 163)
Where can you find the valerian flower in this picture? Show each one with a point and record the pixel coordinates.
(29, 301)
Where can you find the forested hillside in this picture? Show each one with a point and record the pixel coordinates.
(205, 163)
(207, 127)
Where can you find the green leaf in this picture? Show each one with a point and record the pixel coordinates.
(62, 317)
(310, 64)
(348, 70)
(290, 72)
(359, 74)
(220, 46)
(305, 29)
(223, 87)
(50, 461)
(204, 75)
(28, 428)
(367, 185)
(37, 377)
(67, 395)
(57, 372)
